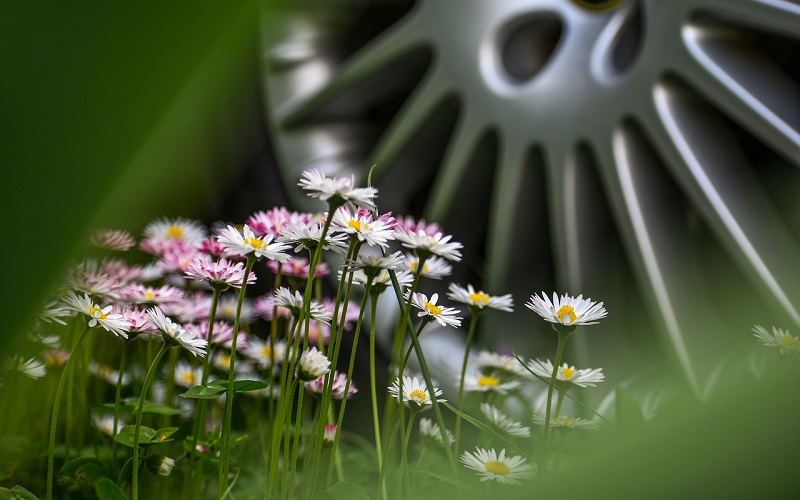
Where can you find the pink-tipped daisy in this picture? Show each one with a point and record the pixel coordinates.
(337, 189)
(220, 274)
(567, 310)
(141, 294)
(89, 278)
(113, 239)
(337, 388)
(298, 267)
(411, 225)
(247, 242)
(308, 236)
(479, 300)
(429, 310)
(363, 226)
(272, 221)
(220, 335)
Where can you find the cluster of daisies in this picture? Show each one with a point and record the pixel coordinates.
(184, 286)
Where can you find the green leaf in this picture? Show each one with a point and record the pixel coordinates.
(203, 392)
(485, 428)
(107, 490)
(16, 493)
(80, 475)
(163, 435)
(449, 480)
(241, 385)
(155, 408)
(345, 490)
(125, 435)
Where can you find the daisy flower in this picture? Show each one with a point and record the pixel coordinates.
(174, 333)
(337, 389)
(211, 247)
(112, 239)
(329, 435)
(429, 310)
(294, 302)
(193, 307)
(487, 361)
(586, 377)
(363, 226)
(226, 309)
(434, 267)
(565, 422)
(309, 235)
(312, 365)
(779, 338)
(141, 294)
(414, 392)
(160, 465)
(502, 422)
(272, 221)
(479, 300)
(487, 383)
(221, 335)
(103, 317)
(220, 274)
(180, 229)
(54, 312)
(430, 434)
(32, 368)
(570, 311)
(247, 242)
(372, 262)
(411, 225)
(186, 375)
(264, 306)
(125, 273)
(176, 260)
(423, 243)
(337, 189)
(105, 424)
(298, 267)
(491, 465)
(88, 278)
(383, 279)
(264, 354)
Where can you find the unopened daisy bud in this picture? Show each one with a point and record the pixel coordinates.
(313, 364)
(159, 464)
(329, 436)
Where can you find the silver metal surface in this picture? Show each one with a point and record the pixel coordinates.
(645, 155)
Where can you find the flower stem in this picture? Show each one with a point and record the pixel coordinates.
(373, 394)
(54, 417)
(562, 341)
(139, 410)
(225, 452)
(117, 397)
(470, 334)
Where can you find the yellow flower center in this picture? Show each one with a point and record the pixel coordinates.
(567, 310)
(433, 308)
(223, 360)
(413, 267)
(175, 231)
(357, 225)
(266, 351)
(149, 294)
(488, 381)
(188, 377)
(568, 372)
(497, 467)
(98, 313)
(788, 340)
(418, 395)
(479, 297)
(255, 242)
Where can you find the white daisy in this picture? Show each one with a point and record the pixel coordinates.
(502, 422)
(429, 310)
(362, 225)
(294, 302)
(113, 322)
(247, 242)
(383, 279)
(105, 424)
(340, 189)
(415, 392)
(566, 422)
(430, 434)
(174, 333)
(481, 382)
(264, 354)
(308, 235)
(779, 338)
(185, 230)
(566, 310)
(187, 375)
(487, 361)
(586, 377)
(479, 300)
(491, 465)
(337, 387)
(32, 368)
(423, 243)
(312, 365)
(434, 268)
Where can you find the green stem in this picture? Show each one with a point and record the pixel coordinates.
(139, 410)
(225, 453)
(374, 395)
(117, 397)
(562, 341)
(404, 457)
(470, 334)
(51, 446)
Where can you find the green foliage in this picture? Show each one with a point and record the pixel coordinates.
(219, 387)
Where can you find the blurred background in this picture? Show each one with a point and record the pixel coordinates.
(639, 152)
